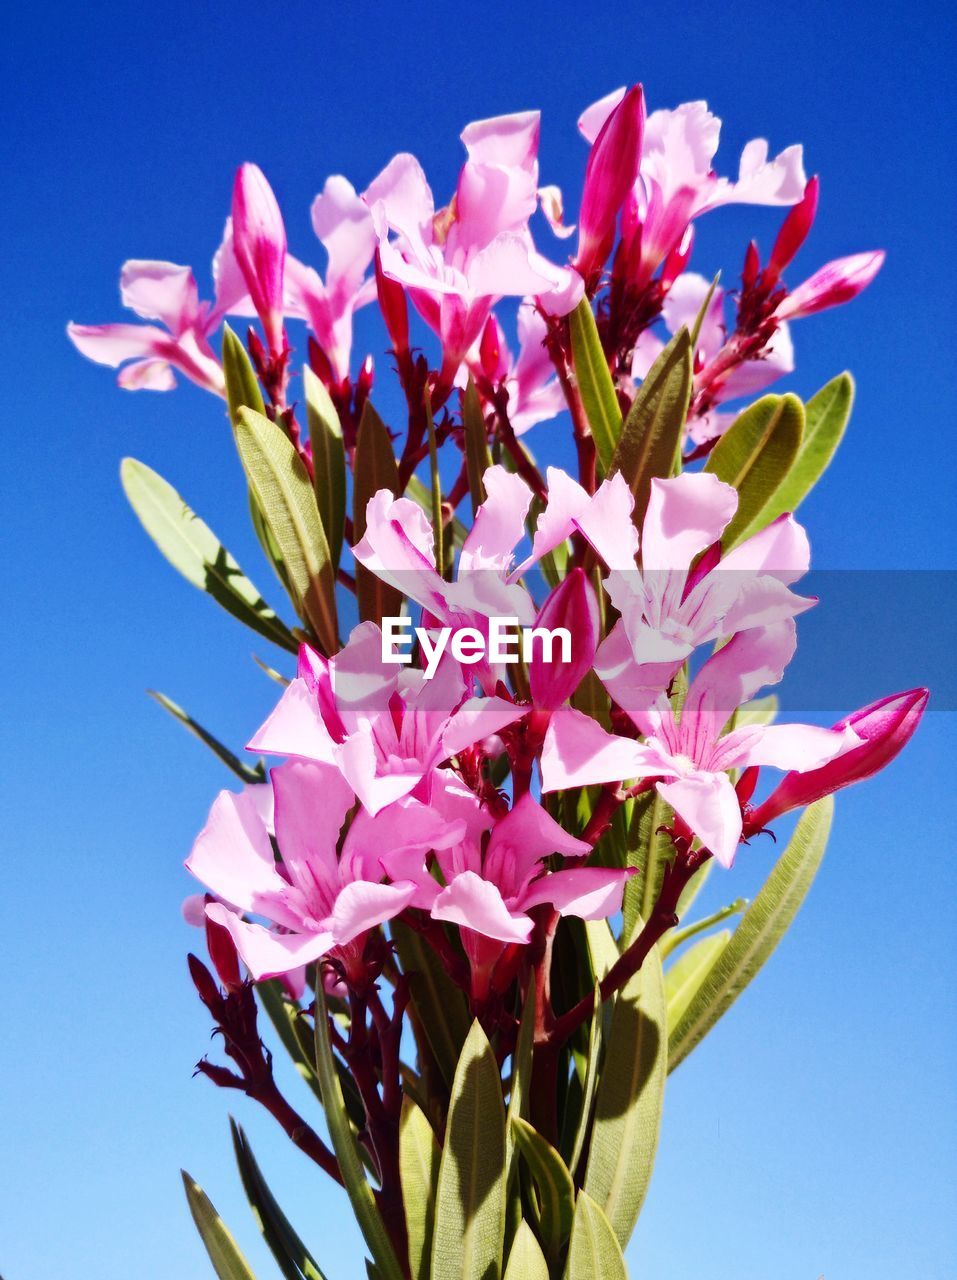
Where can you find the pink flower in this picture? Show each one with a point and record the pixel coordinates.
(691, 757)
(882, 730)
(167, 293)
(534, 393)
(259, 240)
(572, 606)
(315, 901)
(609, 177)
(837, 282)
(457, 262)
(383, 726)
(678, 182)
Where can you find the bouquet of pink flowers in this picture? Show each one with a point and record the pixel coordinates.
(462, 890)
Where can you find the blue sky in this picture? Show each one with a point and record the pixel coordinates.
(814, 1132)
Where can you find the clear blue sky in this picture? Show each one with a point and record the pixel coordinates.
(814, 1132)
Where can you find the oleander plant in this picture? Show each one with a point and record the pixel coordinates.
(522, 710)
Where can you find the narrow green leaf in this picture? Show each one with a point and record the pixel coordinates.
(754, 455)
(374, 468)
(284, 1016)
(594, 1251)
(826, 418)
(651, 436)
(703, 311)
(630, 1096)
(193, 549)
(594, 383)
(678, 937)
(439, 1003)
(247, 772)
(435, 490)
(763, 926)
(417, 491)
(477, 456)
(525, 1259)
(346, 1149)
(556, 1191)
(648, 851)
(242, 385)
(590, 1083)
(419, 1173)
(470, 1211)
(683, 979)
(292, 1257)
(224, 1253)
(521, 1066)
(328, 461)
(282, 489)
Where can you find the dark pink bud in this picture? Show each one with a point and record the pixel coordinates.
(611, 173)
(839, 281)
(884, 728)
(490, 351)
(572, 606)
(205, 984)
(259, 242)
(394, 308)
(751, 268)
(222, 952)
(794, 230)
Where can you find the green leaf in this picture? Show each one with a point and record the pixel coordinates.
(248, 773)
(284, 1016)
(242, 385)
(522, 1063)
(651, 436)
(763, 926)
(417, 491)
(590, 1084)
(826, 419)
(435, 490)
(439, 1003)
(757, 711)
(594, 383)
(328, 461)
(526, 1260)
(347, 1153)
(470, 1213)
(754, 455)
(228, 1262)
(477, 456)
(419, 1174)
(293, 1258)
(678, 937)
(193, 549)
(556, 1191)
(594, 1251)
(283, 492)
(630, 1097)
(374, 468)
(683, 979)
(648, 851)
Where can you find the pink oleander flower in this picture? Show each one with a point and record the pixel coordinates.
(882, 730)
(680, 308)
(677, 180)
(534, 392)
(489, 886)
(315, 901)
(457, 262)
(165, 292)
(259, 242)
(610, 176)
(384, 727)
(691, 757)
(835, 283)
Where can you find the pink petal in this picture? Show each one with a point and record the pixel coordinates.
(499, 522)
(295, 727)
(160, 291)
(593, 893)
(473, 903)
(362, 905)
(477, 719)
(267, 954)
(781, 550)
(111, 344)
(708, 804)
(578, 752)
(312, 801)
(685, 515)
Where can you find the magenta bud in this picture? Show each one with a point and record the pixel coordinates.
(573, 607)
(839, 281)
(490, 351)
(394, 308)
(204, 983)
(751, 268)
(223, 953)
(259, 242)
(884, 728)
(794, 231)
(610, 175)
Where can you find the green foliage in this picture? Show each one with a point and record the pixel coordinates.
(525, 1259)
(224, 1253)
(683, 979)
(439, 1003)
(419, 1173)
(374, 468)
(242, 770)
(477, 456)
(328, 461)
(763, 926)
(594, 1249)
(553, 1184)
(597, 390)
(193, 549)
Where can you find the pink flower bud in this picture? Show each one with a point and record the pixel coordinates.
(884, 728)
(610, 175)
(259, 242)
(571, 605)
(222, 952)
(839, 281)
(794, 231)
(394, 308)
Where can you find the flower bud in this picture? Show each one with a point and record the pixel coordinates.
(794, 231)
(394, 308)
(222, 952)
(839, 281)
(884, 728)
(571, 605)
(259, 242)
(611, 173)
